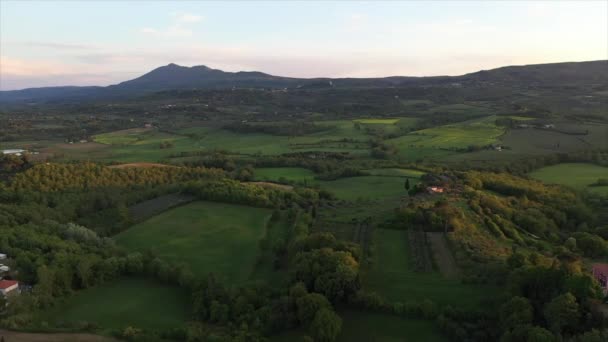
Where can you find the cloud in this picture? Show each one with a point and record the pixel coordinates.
(181, 17)
(148, 30)
(179, 27)
(356, 22)
(52, 45)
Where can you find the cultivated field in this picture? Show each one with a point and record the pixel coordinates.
(125, 302)
(575, 175)
(392, 172)
(209, 237)
(377, 121)
(366, 187)
(391, 274)
(293, 174)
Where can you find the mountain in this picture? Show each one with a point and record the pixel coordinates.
(175, 77)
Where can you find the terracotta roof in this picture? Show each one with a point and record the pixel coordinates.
(601, 268)
(5, 284)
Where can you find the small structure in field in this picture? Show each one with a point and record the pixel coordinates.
(9, 287)
(15, 151)
(435, 190)
(600, 273)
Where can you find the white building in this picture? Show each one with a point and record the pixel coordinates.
(2, 256)
(15, 151)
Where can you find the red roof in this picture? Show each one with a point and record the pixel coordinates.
(601, 268)
(5, 284)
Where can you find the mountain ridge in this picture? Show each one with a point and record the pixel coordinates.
(176, 77)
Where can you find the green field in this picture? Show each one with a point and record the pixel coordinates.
(393, 172)
(295, 174)
(366, 187)
(575, 175)
(124, 302)
(366, 326)
(392, 276)
(478, 132)
(377, 121)
(209, 237)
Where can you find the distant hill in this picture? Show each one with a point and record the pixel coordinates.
(175, 77)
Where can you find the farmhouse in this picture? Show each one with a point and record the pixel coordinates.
(600, 273)
(435, 190)
(9, 286)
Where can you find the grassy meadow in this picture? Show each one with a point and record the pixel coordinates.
(136, 302)
(395, 172)
(366, 187)
(575, 175)
(209, 237)
(294, 174)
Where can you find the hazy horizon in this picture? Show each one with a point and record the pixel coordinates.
(102, 43)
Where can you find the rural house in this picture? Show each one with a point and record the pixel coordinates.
(9, 286)
(435, 190)
(600, 273)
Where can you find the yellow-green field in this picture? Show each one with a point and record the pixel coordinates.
(575, 175)
(377, 121)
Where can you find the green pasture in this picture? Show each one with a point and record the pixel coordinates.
(391, 275)
(394, 172)
(136, 302)
(378, 121)
(274, 174)
(366, 187)
(145, 146)
(210, 237)
(575, 175)
(442, 141)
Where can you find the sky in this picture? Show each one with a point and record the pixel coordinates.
(53, 43)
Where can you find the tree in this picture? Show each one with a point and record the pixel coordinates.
(326, 326)
(407, 184)
(517, 311)
(562, 312)
(570, 243)
(309, 304)
(538, 334)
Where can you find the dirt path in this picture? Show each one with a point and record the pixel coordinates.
(443, 255)
(15, 336)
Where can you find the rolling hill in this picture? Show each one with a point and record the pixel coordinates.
(175, 77)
